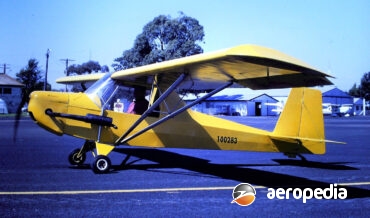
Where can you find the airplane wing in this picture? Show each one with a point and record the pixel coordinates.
(250, 66)
(80, 78)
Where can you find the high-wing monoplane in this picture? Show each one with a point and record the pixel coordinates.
(105, 118)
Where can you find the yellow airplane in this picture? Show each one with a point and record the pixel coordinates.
(166, 121)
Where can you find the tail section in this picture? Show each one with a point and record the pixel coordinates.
(300, 128)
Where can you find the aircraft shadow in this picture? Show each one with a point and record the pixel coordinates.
(315, 164)
(237, 172)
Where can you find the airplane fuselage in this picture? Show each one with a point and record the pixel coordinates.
(189, 129)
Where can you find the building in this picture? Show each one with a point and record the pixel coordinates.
(359, 105)
(242, 102)
(231, 102)
(236, 102)
(10, 92)
(263, 105)
(336, 96)
(336, 102)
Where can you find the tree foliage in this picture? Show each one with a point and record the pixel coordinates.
(365, 86)
(354, 91)
(163, 39)
(31, 77)
(88, 67)
(363, 90)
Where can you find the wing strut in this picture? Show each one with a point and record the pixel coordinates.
(152, 107)
(123, 140)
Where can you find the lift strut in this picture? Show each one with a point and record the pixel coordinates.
(123, 139)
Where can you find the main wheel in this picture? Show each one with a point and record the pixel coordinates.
(101, 164)
(75, 159)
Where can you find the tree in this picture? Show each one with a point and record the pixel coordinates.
(104, 69)
(364, 88)
(163, 39)
(354, 91)
(31, 77)
(88, 67)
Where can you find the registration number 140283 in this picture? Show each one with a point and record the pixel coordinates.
(227, 139)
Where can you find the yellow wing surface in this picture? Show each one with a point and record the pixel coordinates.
(80, 78)
(250, 66)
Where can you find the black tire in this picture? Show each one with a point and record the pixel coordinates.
(101, 164)
(74, 159)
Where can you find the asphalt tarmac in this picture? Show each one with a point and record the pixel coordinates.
(36, 179)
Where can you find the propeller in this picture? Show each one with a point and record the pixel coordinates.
(25, 99)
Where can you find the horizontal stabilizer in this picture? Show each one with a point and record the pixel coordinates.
(299, 140)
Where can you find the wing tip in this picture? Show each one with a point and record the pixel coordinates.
(79, 78)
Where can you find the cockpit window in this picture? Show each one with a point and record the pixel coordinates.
(98, 91)
(106, 91)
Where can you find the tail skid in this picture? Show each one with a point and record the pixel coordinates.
(300, 128)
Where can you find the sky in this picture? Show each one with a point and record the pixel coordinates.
(329, 35)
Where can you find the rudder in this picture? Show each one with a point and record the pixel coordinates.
(302, 121)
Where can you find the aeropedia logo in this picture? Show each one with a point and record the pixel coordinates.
(244, 194)
(332, 192)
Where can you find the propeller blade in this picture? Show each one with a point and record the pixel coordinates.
(18, 116)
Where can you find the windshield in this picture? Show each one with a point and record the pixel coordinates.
(106, 90)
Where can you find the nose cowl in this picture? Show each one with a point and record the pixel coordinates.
(40, 102)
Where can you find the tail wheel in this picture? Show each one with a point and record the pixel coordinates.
(75, 158)
(101, 164)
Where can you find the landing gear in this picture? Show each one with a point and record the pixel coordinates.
(101, 164)
(76, 157)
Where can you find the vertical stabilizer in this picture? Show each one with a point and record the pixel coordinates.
(302, 120)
